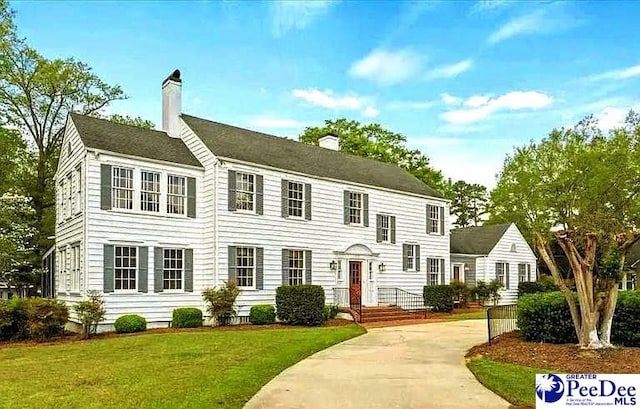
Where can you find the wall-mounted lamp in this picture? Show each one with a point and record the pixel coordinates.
(466, 268)
(381, 267)
(333, 265)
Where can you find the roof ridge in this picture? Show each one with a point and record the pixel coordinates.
(484, 225)
(85, 116)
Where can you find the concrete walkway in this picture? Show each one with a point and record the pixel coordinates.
(412, 366)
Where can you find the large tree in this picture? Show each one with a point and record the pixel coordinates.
(36, 93)
(15, 162)
(578, 186)
(468, 203)
(375, 142)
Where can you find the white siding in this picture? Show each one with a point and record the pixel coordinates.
(138, 228)
(502, 253)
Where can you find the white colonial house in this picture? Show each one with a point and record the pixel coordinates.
(151, 218)
(493, 252)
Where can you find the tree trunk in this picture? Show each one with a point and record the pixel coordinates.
(607, 314)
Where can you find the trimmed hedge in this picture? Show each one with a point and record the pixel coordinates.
(130, 323)
(545, 317)
(262, 314)
(32, 318)
(439, 297)
(300, 304)
(186, 318)
(542, 285)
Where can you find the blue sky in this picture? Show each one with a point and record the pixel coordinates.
(465, 82)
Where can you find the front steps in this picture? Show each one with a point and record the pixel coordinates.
(381, 314)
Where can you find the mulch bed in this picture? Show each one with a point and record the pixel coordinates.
(563, 358)
(71, 337)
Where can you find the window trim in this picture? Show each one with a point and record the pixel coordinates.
(388, 228)
(182, 270)
(254, 193)
(137, 269)
(62, 275)
(253, 268)
(75, 268)
(525, 275)
(436, 219)
(302, 201)
(183, 196)
(361, 208)
(78, 191)
(302, 269)
(430, 273)
(504, 273)
(414, 257)
(159, 192)
(132, 189)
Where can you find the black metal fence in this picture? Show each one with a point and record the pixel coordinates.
(397, 297)
(501, 319)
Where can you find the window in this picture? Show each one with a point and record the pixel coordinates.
(62, 275)
(176, 193)
(122, 191)
(410, 255)
(245, 273)
(62, 204)
(296, 267)
(126, 263)
(370, 271)
(434, 219)
(75, 268)
(522, 272)
(385, 230)
(339, 270)
(529, 272)
(245, 191)
(149, 191)
(433, 267)
(69, 195)
(78, 190)
(501, 272)
(296, 199)
(69, 149)
(355, 208)
(173, 269)
(514, 249)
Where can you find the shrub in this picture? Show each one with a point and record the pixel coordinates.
(542, 285)
(330, 311)
(90, 312)
(438, 297)
(262, 314)
(626, 320)
(46, 318)
(545, 317)
(300, 304)
(221, 301)
(130, 323)
(484, 292)
(186, 318)
(6, 322)
(461, 292)
(16, 319)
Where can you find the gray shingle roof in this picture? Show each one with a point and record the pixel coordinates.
(131, 140)
(477, 240)
(242, 144)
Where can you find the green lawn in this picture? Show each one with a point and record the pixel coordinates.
(196, 369)
(514, 383)
(476, 315)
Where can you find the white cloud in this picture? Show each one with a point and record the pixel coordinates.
(512, 101)
(410, 105)
(449, 71)
(611, 118)
(275, 123)
(488, 6)
(387, 67)
(477, 101)
(329, 100)
(296, 15)
(370, 112)
(449, 99)
(621, 74)
(550, 19)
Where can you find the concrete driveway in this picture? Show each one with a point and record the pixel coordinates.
(412, 366)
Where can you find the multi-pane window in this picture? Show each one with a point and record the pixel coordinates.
(296, 267)
(245, 268)
(522, 272)
(434, 219)
(126, 267)
(63, 204)
(62, 276)
(433, 267)
(501, 273)
(150, 191)
(355, 208)
(385, 228)
(411, 257)
(122, 188)
(245, 191)
(173, 269)
(75, 268)
(176, 193)
(296, 199)
(78, 190)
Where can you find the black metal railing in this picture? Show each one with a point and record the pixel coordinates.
(501, 319)
(342, 297)
(397, 297)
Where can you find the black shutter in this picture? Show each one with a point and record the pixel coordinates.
(259, 268)
(308, 264)
(428, 216)
(392, 221)
(108, 268)
(158, 269)
(259, 188)
(143, 269)
(284, 189)
(345, 196)
(191, 197)
(307, 201)
(188, 270)
(442, 271)
(231, 268)
(442, 221)
(365, 209)
(378, 228)
(506, 276)
(231, 181)
(417, 255)
(105, 186)
(405, 254)
(285, 266)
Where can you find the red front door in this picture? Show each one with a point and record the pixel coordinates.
(355, 281)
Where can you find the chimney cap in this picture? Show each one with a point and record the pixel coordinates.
(175, 76)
